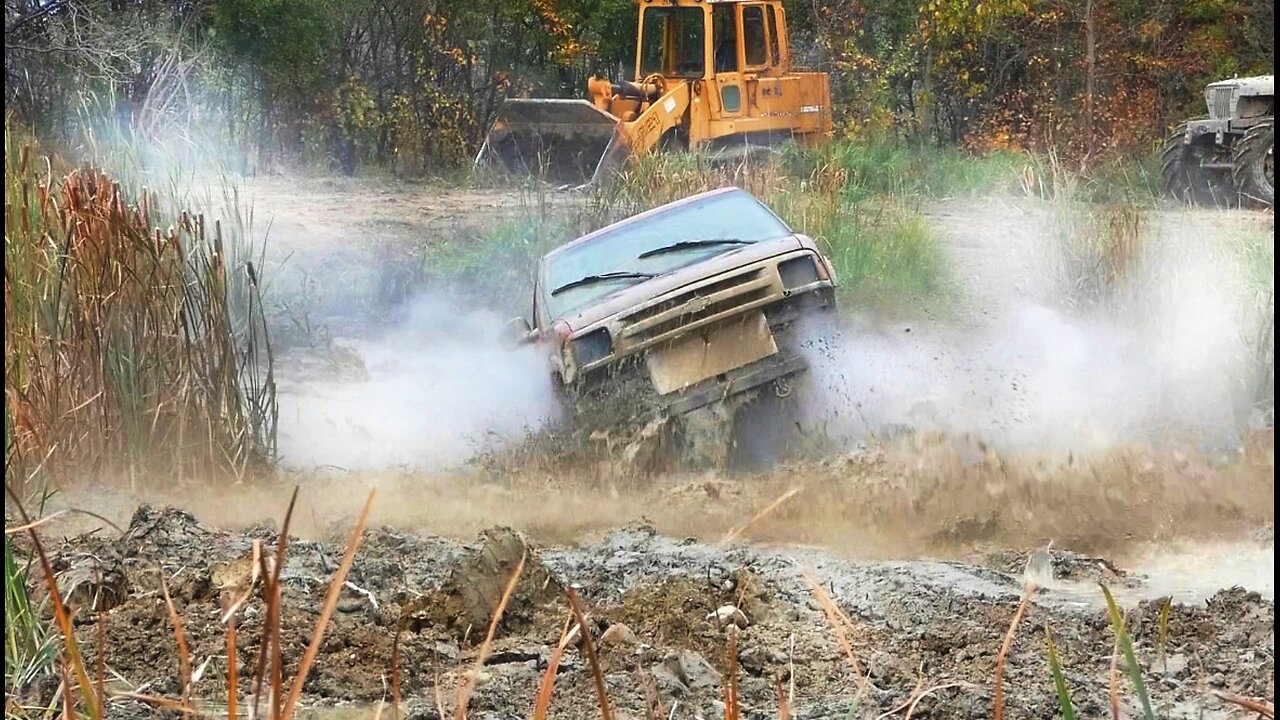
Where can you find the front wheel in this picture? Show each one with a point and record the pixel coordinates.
(1254, 165)
(1184, 178)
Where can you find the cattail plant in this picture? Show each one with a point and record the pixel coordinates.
(135, 336)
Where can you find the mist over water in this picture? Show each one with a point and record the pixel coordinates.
(437, 386)
(1166, 357)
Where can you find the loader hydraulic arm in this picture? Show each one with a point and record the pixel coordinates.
(643, 134)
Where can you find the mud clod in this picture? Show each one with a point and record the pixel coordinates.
(466, 601)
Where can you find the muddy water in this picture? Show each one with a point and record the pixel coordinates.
(1192, 572)
(1188, 573)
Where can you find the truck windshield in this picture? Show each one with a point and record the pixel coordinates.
(634, 250)
(672, 42)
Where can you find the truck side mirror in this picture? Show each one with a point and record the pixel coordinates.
(522, 330)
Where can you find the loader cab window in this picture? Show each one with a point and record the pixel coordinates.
(724, 31)
(753, 36)
(774, 52)
(672, 42)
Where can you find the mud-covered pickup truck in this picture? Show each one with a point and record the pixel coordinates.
(689, 305)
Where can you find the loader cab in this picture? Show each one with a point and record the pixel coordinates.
(672, 41)
(692, 39)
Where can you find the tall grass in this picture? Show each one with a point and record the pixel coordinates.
(128, 348)
(903, 170)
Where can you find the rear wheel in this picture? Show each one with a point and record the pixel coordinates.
(1184, 178)
(1254, 165)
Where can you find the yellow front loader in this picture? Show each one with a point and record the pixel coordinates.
(710, 75)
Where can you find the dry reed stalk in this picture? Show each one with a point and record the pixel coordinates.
(255, 565)
(395, 671)
(731, 709)
(602, 693)
(736, 532)
(100, 682)
(326, 612)
(233, 679)
(464, 693)
(33, 525)
(180, 637)
(1264, 708)
(922, 695)
(542, 705)
(840, 625)
(60, 615)
(998, 712)
(269, 648)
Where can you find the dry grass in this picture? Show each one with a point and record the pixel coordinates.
(92, 698)
(1264, 708)
(542, 704)
(840, 624)
(1001, 657)
(597, 675)
(128, 348)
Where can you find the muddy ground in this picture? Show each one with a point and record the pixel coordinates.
(921, 538)
(652, 602)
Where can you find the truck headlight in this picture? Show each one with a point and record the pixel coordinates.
(595, 345)
(798, 272)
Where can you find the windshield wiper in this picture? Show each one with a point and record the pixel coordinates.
(691, 244)
(590, 279)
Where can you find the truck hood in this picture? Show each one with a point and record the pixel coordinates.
(635, 295)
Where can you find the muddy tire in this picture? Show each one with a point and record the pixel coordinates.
(766, 429)
(1183, 177)
(1254, 165)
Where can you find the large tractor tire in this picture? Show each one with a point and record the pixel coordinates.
(1254, 165)
(1185, 179)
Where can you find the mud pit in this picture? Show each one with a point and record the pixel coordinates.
(922, 543)
(652, 603)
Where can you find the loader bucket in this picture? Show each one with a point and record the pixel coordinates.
(563, 141)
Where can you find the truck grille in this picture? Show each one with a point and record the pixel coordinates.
(707, 301)
(1222, 102)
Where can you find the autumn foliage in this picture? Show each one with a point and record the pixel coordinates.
(414, 84)
(1085, 78)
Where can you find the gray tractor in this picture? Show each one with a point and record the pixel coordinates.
(1226, 159)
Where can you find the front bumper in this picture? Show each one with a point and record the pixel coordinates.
(736, 382)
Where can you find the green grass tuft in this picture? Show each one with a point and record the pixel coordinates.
(1132, 668)
(1065, 706)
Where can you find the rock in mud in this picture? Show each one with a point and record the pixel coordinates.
(618, 635)
(685, 671)
(726, 615)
